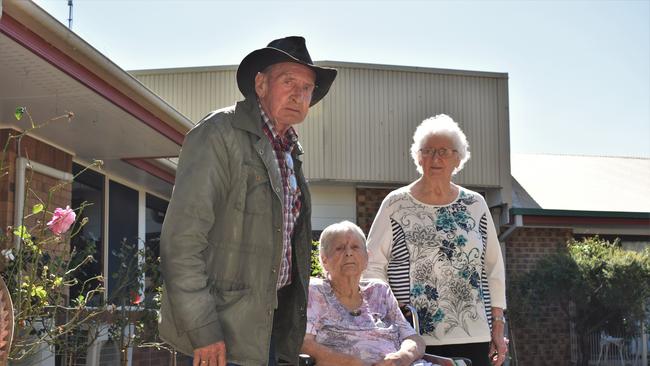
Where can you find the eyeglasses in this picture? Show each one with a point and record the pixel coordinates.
(293, 183)
(443, 152)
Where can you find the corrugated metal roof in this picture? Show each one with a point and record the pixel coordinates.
(585, 183)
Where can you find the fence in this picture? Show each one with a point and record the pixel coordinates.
(614, 350)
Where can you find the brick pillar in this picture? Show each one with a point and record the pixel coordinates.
(368, 202)
(542, 338)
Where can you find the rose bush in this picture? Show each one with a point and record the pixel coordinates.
(55, 305)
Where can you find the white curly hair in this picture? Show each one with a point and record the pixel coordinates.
(333, 231)
(440, 125)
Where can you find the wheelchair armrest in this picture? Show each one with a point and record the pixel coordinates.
(446, 361)
(414, 316)
(305, 360)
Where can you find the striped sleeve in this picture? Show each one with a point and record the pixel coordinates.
(399, 265)
(485, 286)
(380, 239)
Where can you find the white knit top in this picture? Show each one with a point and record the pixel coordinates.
(443, 259)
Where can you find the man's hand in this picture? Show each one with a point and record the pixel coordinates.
(210, 355)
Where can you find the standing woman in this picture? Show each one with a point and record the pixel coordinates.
(435, 243)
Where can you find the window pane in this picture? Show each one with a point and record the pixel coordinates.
(122, 243)
(88, 191)
(155, 213)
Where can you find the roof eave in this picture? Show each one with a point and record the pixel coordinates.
(61, 39)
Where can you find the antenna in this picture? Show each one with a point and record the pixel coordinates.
(70, 14)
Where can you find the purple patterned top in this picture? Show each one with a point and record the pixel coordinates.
(377, 331)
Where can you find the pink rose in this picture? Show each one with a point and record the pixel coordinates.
(61, 220)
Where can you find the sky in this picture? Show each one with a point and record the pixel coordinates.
(579, 71)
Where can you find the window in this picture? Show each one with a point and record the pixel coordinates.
(88, 192)
(122, 241)
(155, 214)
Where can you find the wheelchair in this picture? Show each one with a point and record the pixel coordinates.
(306, 360)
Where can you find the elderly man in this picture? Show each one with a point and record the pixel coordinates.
(236, 242)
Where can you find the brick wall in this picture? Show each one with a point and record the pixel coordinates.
(368, 202)
(109, 354)
(542, 339)
(37, 185)
(7, 178)
(154, 357)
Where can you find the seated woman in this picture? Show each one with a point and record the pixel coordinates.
(353, 322)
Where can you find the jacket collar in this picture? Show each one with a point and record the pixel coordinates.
(249, 118)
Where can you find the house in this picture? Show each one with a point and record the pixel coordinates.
(558, 197)
(357, 139)
(137, 133)
(50, 71)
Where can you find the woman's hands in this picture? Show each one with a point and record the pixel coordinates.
(392, 359)
(498, 350)
(412, 349)
(499, 344)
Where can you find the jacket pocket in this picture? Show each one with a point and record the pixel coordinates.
(225, 298)
(257, 199)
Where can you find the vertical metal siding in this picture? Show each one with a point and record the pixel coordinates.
(362, 130)
(194, 93)
(373, 114)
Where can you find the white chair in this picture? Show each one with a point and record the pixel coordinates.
(607, 342)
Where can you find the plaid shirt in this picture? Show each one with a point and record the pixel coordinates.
(283, 146)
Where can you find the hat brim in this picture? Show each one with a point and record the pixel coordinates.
(259, 60)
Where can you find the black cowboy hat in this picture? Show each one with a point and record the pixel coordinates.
(289, 49)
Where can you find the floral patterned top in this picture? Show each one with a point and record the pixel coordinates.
(379, 329)
(443, 259)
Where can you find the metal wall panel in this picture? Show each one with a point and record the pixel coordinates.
(362, 131)
(331, 204)
(193, 91)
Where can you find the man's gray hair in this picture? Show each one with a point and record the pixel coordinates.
(440, 125)
(331, 232)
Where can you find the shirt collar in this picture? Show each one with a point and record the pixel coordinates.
(290, 137)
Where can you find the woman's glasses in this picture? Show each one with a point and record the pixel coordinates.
(443, 152)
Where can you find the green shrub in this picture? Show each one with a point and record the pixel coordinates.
(316, 268)
(596, 283)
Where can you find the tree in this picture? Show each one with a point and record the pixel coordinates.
(596, 284)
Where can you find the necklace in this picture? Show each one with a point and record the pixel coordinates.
(355, 312)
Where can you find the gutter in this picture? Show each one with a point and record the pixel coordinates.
(580, 213)
(518, 222)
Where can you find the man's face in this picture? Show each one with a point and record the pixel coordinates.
(285, 91)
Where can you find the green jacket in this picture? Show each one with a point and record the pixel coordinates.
(221, 244)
